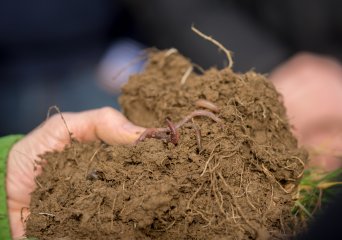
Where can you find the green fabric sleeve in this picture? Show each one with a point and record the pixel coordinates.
(5, 146)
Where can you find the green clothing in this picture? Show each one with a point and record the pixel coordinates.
(5, 145)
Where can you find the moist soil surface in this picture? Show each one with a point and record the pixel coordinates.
(238, 183)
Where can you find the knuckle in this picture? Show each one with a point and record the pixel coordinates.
(108, 111)
(313, 62)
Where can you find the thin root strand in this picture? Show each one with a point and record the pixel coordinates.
(216, 43)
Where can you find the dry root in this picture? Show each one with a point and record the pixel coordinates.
(219, 45)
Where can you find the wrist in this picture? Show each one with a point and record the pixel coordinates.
(6, 144)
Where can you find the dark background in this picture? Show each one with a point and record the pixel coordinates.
(50, 50)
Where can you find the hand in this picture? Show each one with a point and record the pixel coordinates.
(104, 124)
(311, 86)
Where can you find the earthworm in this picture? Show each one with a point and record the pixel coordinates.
(174, 135)
(198, 113)
(207, 104)
(161, 133)
(158, 133)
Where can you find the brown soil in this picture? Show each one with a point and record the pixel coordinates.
(239, 186)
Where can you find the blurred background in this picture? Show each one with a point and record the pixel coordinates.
(66, 53)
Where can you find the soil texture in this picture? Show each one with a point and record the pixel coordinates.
(229, 172)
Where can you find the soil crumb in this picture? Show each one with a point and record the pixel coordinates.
(239, 182)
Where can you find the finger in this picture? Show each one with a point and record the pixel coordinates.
(17, 225)
(113, 128)
(310, 82)
(106, 124)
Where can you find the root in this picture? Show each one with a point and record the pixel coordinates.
(209, 223)
(241, 174)
(211, 156)
(46, 214)
(273, 179)
(35, 164)
(293, 166)
(202, 215)
(216, 43)
(38, 183)
(186, 75)
(60, 113)
(214, 140)
(247, 198)
(214, 168)
(302, 163)
(233, 214)
(91, 159)
(194, 195)
(279, 118)
(216, 192)
(263, 110)
(170, 52)
(198, 67)
(237, 206)
(142, 175)
(167, 228)
(22, 215)
(269, 205)
(84, 197)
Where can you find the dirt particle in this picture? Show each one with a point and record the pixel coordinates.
(238, 184)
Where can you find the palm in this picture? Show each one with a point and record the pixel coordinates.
(53, 135)
(312, 90)
(22, 170)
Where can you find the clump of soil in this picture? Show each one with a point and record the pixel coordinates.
(239, 185)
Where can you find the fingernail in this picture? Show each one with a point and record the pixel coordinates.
(133, 129)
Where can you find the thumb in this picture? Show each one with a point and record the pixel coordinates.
(106, 124)
(114, 128)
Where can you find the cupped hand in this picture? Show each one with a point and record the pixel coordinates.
(311, 86)
(105, 124)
